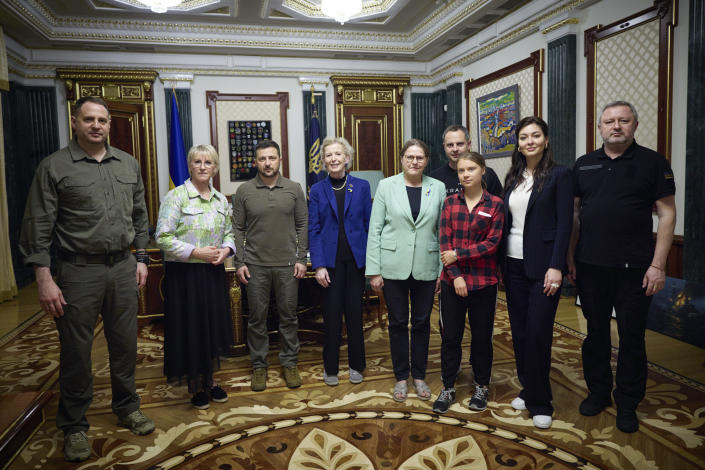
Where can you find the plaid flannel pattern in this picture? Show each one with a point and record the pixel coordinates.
(475, 236)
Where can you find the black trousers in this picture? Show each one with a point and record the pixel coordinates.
(479, 306)
(601, 289)
(397, 294)
(343, 296)
(531, 314)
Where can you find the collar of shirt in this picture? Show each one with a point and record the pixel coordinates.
(193, 192)
(629, 153)
(77, 153)
(260, 184)
(485, 196)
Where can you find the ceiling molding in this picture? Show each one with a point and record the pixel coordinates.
(444, 69)
(124, 32)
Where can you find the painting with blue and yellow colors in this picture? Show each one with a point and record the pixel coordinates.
(497, 117)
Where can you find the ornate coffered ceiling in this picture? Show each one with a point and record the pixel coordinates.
(410, 30)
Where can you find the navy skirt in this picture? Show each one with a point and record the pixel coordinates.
(197, 322)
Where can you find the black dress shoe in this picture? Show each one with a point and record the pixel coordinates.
(594, 405)
(627, 421)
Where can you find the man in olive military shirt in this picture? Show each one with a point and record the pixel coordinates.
(616, 264)
(270, 225)
(90, 197)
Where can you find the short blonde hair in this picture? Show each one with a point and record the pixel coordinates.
(207, 149)
(347, 148)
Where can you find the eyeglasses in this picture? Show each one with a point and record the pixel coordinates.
(414, 158)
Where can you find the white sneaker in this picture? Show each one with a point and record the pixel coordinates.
(355, 377)
(330, 380)
(542, 421)
(518, 404)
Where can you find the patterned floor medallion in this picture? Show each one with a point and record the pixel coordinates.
(376, 440)
(356, 426)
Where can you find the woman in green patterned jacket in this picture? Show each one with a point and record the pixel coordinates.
(195, 232)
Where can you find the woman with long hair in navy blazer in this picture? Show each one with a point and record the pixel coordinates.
(538, 196)
(338, 221)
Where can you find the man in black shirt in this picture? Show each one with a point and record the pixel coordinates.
(615, 263)
(456, 141)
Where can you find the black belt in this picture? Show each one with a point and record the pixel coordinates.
(106, 258)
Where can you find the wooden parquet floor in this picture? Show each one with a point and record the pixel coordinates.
(357, 426)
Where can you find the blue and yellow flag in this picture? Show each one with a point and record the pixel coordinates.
(178, 167)
(315, 160)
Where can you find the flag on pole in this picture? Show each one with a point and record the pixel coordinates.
(315, 160)
(178, 167)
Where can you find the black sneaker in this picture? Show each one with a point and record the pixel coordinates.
(593, 405)
(200, 401)
(444, 400)
(218, 395)
(627, 421)
(478, 402)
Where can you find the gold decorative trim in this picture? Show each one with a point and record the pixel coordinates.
(560, 24)
(369, 80)
(106, 74)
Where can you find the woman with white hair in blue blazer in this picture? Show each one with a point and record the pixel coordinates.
(338, 219)
(403, 260)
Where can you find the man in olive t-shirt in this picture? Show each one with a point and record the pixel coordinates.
(270, 222)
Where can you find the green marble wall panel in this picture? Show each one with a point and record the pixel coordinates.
(694, 217)
(562, 98)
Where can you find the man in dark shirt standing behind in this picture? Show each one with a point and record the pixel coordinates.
(90, 196)
(456, 141)
(270, 225)
(615, 264)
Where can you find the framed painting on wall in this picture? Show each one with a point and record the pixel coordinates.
(497, 117)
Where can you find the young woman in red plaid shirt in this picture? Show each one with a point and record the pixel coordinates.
(470, 234)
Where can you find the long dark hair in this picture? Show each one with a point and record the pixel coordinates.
(516, 171)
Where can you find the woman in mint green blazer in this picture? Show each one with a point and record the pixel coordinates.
(403, 261)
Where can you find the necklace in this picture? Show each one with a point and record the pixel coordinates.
(341, 186)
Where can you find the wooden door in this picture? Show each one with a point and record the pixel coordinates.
(369, 130)
(126, 133)
(368, 113)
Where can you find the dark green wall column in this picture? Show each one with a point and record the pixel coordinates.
(694, 217)
(562, 98)
(454, 105)
(31, 132)
(427, 121)
(431, 113)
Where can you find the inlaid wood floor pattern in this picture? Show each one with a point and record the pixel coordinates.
(357, 426)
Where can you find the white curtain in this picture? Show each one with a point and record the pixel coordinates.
(8, 286)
